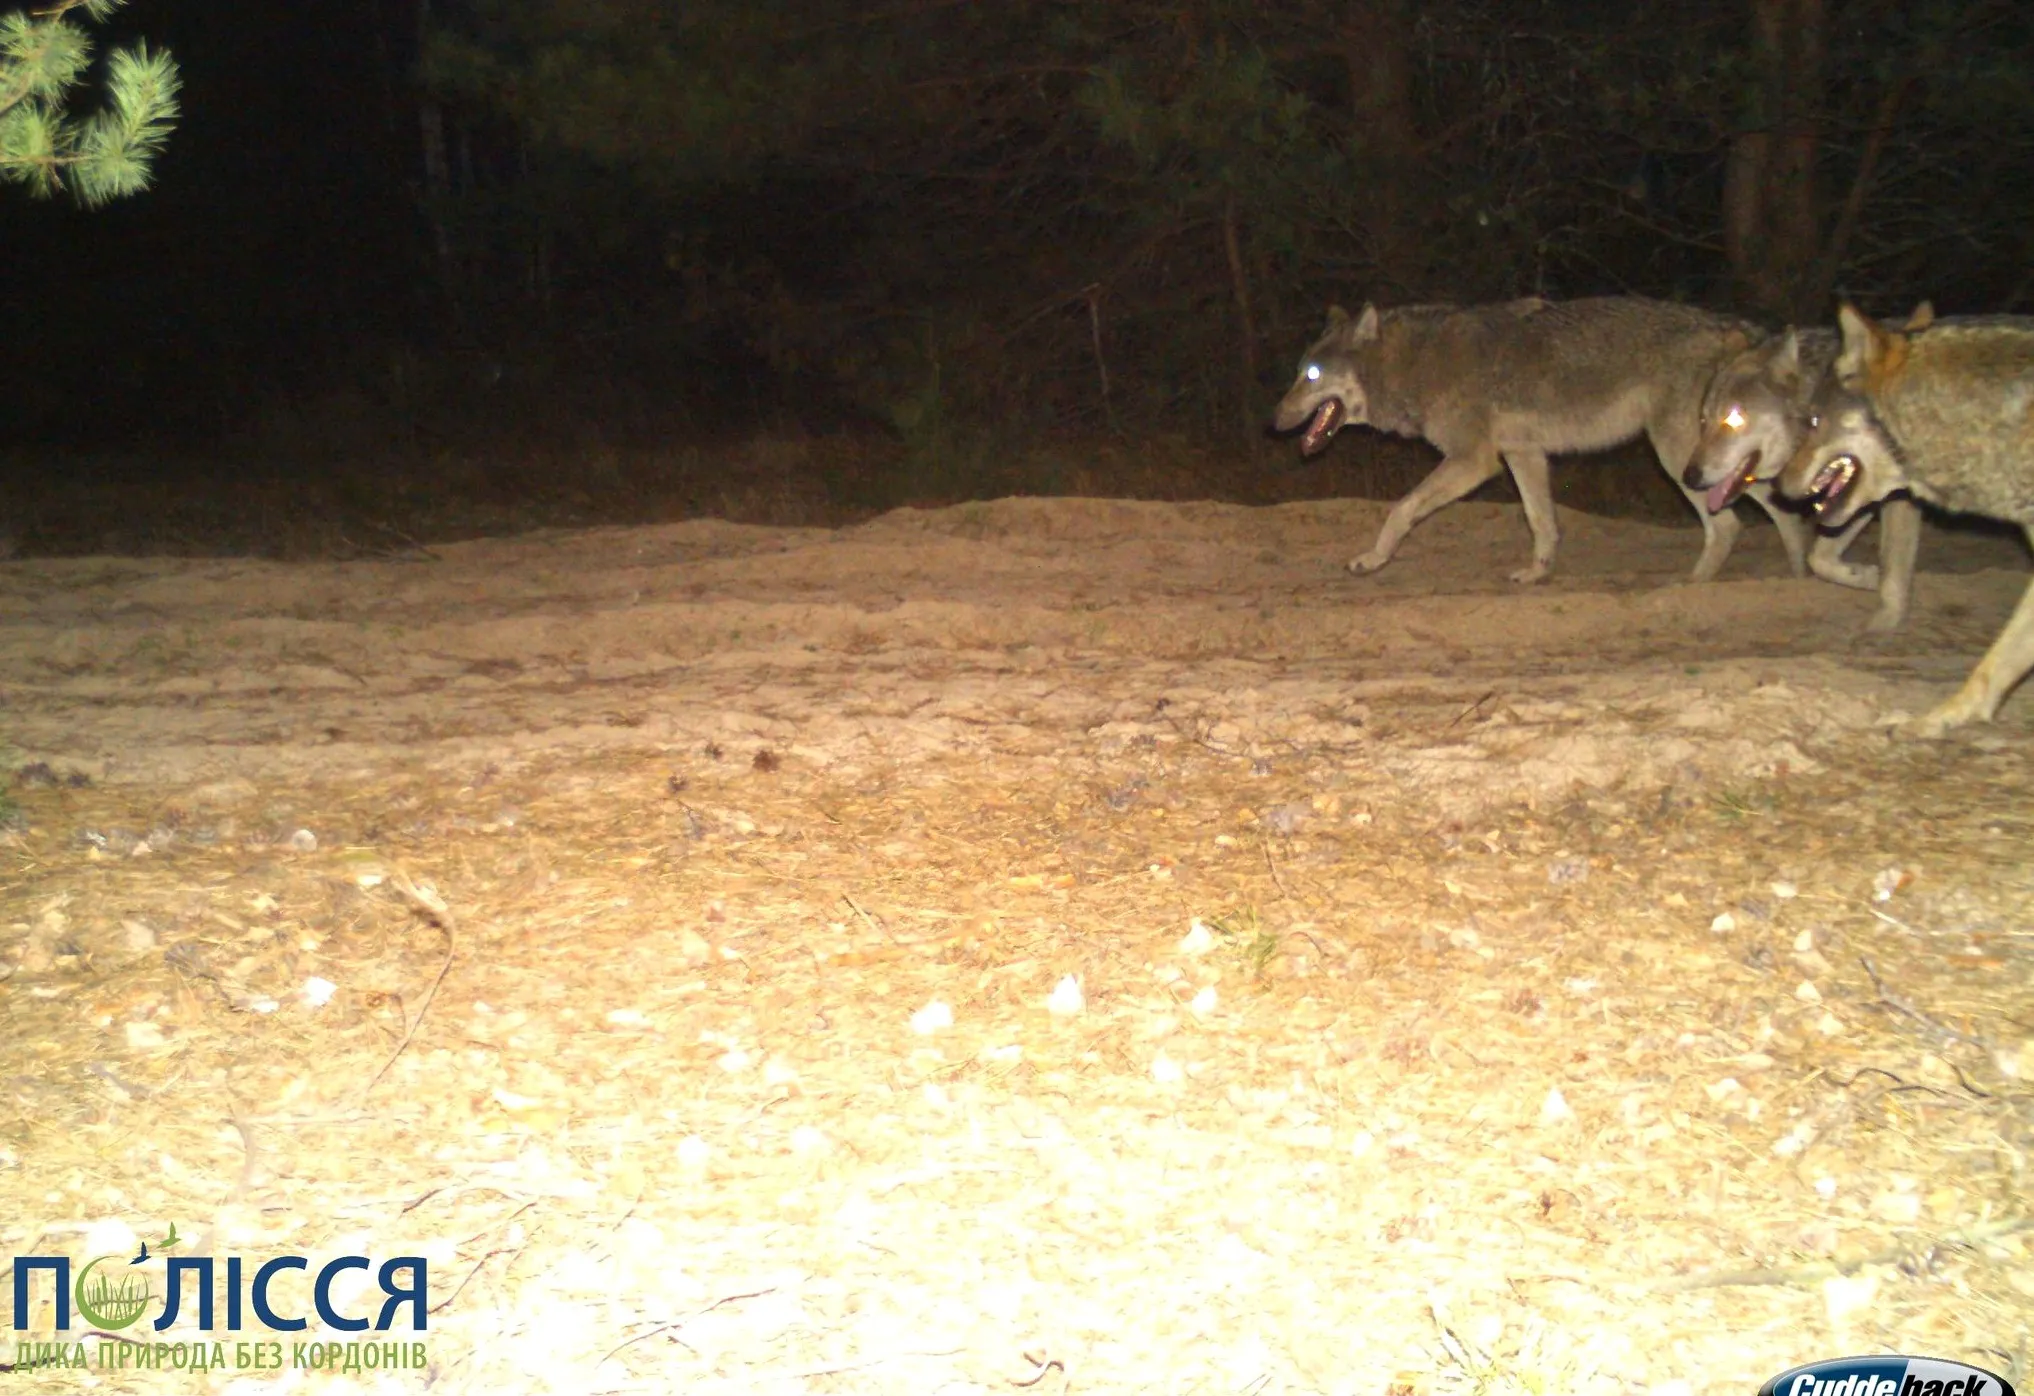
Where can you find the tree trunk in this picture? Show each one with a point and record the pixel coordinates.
(436, 195)
(1830, 265)
(436, 200)
(1384, 138)
(1246, 321)
(1771, 218)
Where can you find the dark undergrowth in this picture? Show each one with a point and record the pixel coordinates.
(304, 502)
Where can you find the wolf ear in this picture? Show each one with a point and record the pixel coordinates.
(1786, 363)
(1864, 343)
(1921, 319)
(1337, 317)
(1366, 326)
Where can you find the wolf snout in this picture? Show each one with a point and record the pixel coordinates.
(1290, 416)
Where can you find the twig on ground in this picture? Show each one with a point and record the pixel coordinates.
(871, 922)
(1470, 711)
(1826, 1269)
(428, 901)
(1270, 862)
(647, 1333)
(1916, 1014)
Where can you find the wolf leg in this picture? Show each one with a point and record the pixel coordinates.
(1825, 559)
(1454, 477)
(1899, 545)
(1719, 536)
(2004, 665)
(1673, 432)
(1536, 492)
(1796, 533)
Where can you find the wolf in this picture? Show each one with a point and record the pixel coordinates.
(1755, 416)
(1946, 414)
(1503, 385)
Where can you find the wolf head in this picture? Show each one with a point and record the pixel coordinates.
(1755, 415)
(1328, 393)
(1753, 420)
(1849, 461)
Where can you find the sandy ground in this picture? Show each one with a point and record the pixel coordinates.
(1479, 988)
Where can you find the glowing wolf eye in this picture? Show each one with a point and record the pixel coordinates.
(1313, 373)
(1734, 418)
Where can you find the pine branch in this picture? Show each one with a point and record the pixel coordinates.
(119, 145)
(106, 156)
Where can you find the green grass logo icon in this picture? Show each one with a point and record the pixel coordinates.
(107, 1303)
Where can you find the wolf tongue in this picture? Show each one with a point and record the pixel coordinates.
(1724, 494)
(1833, 481)
(1327, 417)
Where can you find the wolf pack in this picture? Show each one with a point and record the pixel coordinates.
(1821, 428)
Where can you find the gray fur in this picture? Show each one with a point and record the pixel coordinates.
(1946, 414)
(1506, 385)
(1754, 418)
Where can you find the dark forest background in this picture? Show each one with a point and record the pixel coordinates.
(521, 238)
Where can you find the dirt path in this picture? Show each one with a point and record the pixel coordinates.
(1022, 625)
(1539, 995)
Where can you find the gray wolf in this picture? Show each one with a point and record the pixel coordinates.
(1504, 385)
(1755, 416)
(1945, 413)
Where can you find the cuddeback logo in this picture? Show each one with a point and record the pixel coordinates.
(1887, 1376)
(113, 1293)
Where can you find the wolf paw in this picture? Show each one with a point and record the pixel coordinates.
(1525, 576)
(1947, 716)
(1858, 576)
(1369, 562)
(1885, 621)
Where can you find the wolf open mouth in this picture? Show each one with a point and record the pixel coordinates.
(1721, 496)
(1832, 482)
(1326, 419)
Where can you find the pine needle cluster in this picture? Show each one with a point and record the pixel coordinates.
(107, 155)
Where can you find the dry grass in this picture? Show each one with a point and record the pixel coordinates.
(1087, 944)
(1419, 1108)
